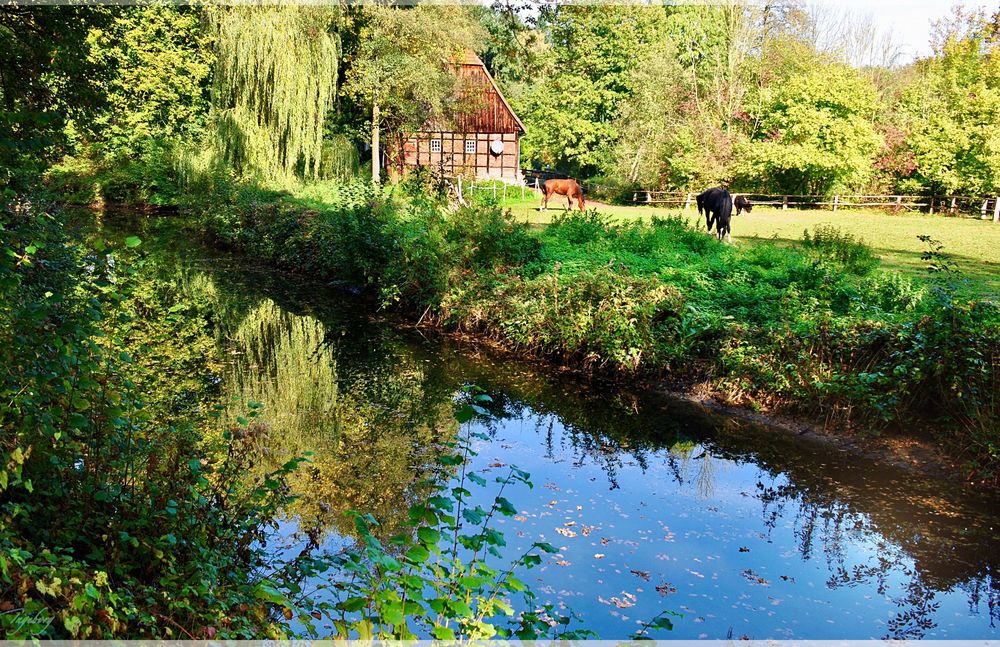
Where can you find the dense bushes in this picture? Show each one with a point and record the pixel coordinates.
(817, 327)
(405, 249)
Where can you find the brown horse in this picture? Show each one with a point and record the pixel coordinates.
(568, 188)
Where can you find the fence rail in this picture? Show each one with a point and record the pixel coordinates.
(535, 179)
(986, 207)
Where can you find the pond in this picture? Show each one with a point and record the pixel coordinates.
(653, 503)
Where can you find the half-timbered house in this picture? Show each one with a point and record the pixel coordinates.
(480, 137)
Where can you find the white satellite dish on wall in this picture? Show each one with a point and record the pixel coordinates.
(496, 146)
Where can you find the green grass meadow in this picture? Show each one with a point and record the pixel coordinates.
(973, 244)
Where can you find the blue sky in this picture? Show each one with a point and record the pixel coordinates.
(909, 20)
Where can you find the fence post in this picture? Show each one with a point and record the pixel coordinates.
(952, 210)
(649, 197)
(784, 203)
(687, 202)
(899, 202)
(996, 209)
(983, 210)
(932, 205)
(836, 200)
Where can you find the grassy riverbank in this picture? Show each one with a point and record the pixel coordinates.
(818, 327)
(973, 244)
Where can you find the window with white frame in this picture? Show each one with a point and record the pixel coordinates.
(470, 146)
(435, 145)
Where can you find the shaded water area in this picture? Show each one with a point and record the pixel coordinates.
(654, 504)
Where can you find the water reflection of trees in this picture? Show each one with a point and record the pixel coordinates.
(373, 433)
(932, 538)
(372, 406)
(919, 546)
(370, 444)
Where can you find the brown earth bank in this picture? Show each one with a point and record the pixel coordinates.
(912, 452)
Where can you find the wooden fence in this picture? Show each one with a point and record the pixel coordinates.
(535, 180)
(985, 207)
(498, 188)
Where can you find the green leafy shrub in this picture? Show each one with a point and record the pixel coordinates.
(488, 238)
(600, 318)
(829, 242)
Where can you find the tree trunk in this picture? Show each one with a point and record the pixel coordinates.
(376, 153)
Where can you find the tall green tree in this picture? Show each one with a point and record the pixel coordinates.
(817, 134)
(952, 108)
(161, 57)
(403, 64)
(649, 122)
(47, 82)
(515, 50)
(570, 114)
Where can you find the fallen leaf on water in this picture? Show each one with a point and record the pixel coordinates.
(598, 555)
(628, 600)
(643, 574)
(605, 541)
(753, 577)
(665, 588)
(520, 518)
(566, 532)
(744, 549)
(562, 562)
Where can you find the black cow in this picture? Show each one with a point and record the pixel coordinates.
(718, 207)
(742, 204)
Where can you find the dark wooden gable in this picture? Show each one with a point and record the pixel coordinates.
(480, 106)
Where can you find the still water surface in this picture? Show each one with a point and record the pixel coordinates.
(653, 503)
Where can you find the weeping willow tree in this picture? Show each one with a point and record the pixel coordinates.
(340, 159)
(275, 82)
